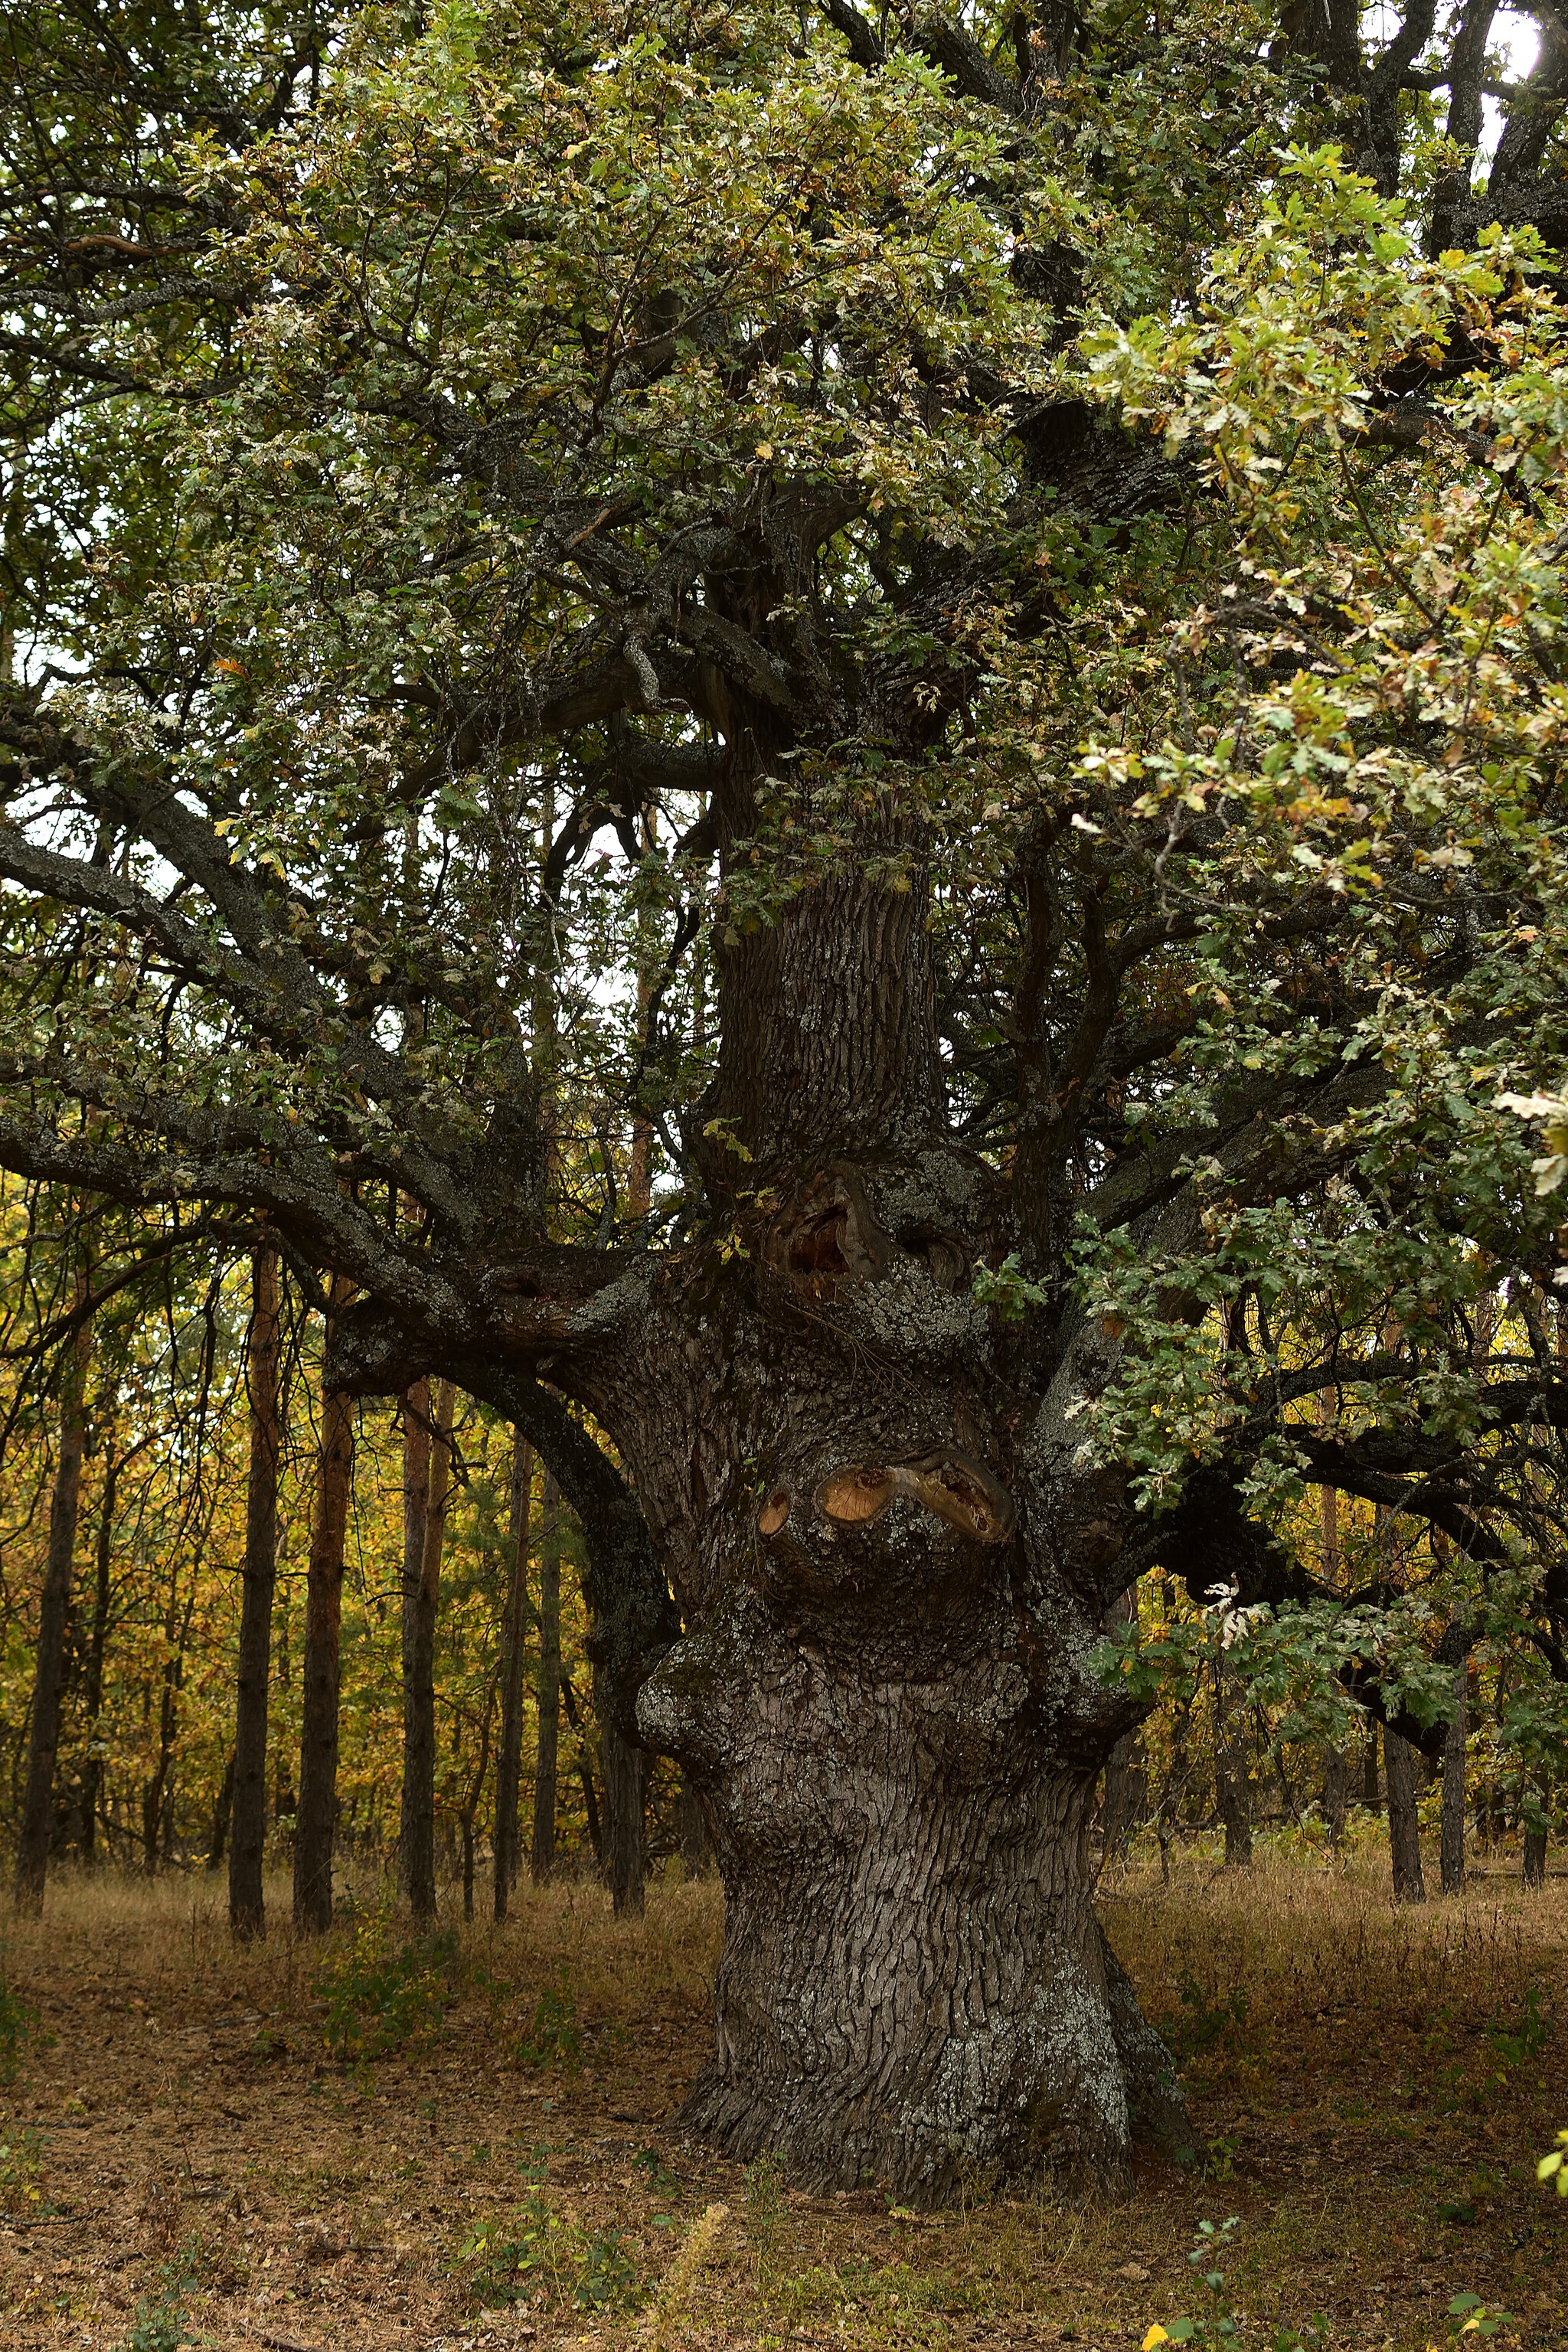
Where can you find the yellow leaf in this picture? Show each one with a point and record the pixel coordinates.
(1156, 2336)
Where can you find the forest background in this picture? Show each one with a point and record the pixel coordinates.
(1251, 1727)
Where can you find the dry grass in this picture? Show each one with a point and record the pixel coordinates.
(1368, 2084)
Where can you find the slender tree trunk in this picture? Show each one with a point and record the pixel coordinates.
(246, 1902)
(1114, 1802)
(415, 1420)
(542, 1860)
(157, 1796)
(92, 1679)
(317, 1804)
(585, 1770)
(1336, 1794)
(623, 1769)
(471, 1801)
(1534, 1870)
(692, 1828)
(1371, 1796)
(54, 1609)
(1336, 1791)
(514, 1630)
(1233, 1794)
(1453, 1840)
(426, 1456)
(1403, 1824)
(622, 1764)
(223, 1809)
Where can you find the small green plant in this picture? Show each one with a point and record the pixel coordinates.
(553, 2038)
(21, 2165)
(1221, 2325)
(1205, 2022)
(378, 1997)
(1219, 2161)
(161, 2326)
(661, 2182)
(534, 2251)
(1475, 2318)
(1511, 2048)
(1555, 2166)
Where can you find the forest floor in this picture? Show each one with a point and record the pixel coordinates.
(473, 2145)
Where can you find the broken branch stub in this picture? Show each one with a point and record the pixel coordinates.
(952, 1488)
(774, 1513)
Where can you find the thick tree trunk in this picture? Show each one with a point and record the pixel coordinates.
(92, 1677)
(886, 1699)
(1452, 1851)
(913, 1978)
(1403, 1824)
(514, 1634)
(426, 1455)
(542, 1858)
(247, 1847)
(893, 1550)
(316, 1809)
(54, 1608)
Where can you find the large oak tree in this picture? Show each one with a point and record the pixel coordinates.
(959, 617)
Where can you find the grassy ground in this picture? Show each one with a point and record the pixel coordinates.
(293, 2146)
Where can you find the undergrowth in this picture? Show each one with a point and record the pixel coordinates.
(534, 2253)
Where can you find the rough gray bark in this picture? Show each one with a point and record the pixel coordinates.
(247, 1846)
(54, 1608)
(1403, 1824)
(514, 1634)
(426, 1456)
(837, 2042)
(1452, 1851)
(547, 1687)
(1157, 2104)
(316, 1809)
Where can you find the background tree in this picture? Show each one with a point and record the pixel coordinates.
(246, 1902)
